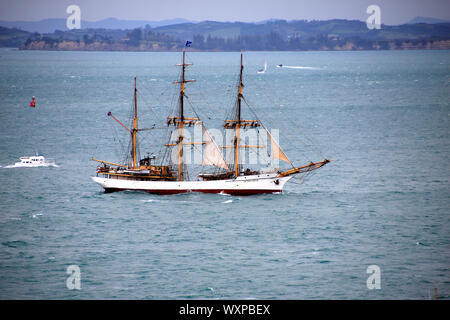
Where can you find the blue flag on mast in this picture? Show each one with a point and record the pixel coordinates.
(188, 43)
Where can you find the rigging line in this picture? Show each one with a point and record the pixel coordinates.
(143, 138)
(201, 92)
(192, 106)
(294, 125)
(127, 155)
(304, 177)
(175, 96)
(157, 97)
(176, 92)
(163, 149)
(308, 176)
(286, 132)
(166, 84)
(232, 103)
(131, 114)
(256, 152)
(130, 125)
(290, 135)
(98, 141)
(292, 181)
(209, 106)
(199, 150)
(149, 133)
(265, 145)
(255, 115)
(116, 137)
(141, 96)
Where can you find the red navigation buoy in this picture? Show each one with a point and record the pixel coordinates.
(33, 103)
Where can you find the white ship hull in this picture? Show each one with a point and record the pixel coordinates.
(243, 185)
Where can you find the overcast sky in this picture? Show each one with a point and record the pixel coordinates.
(392, 11)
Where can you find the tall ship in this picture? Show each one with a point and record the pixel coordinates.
(169, 174)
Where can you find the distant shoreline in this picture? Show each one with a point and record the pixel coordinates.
(210, 36)
(347, 46)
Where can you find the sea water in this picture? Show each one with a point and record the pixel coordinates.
(382, 116)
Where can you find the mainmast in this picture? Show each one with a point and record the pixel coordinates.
(135, 128)
(181, 123)
(181, 119)
(238, 122)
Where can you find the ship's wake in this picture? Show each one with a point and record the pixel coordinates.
(32, 166)
(301, 67)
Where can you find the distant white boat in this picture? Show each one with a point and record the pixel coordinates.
(263, 69)
(35, 161)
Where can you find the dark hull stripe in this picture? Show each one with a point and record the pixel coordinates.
(228, 191)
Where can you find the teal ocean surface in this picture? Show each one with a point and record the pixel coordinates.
(383, 116)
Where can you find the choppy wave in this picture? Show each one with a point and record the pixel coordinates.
(175, 246)
(151, 200)
(15, 243)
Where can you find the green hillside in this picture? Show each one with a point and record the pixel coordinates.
(232, 36)
(12, 37)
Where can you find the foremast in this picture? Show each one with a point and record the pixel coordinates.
(277, 152)
(237, 123)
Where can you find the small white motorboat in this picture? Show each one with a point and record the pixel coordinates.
(35, 161)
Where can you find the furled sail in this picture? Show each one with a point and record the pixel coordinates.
(211, 153)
